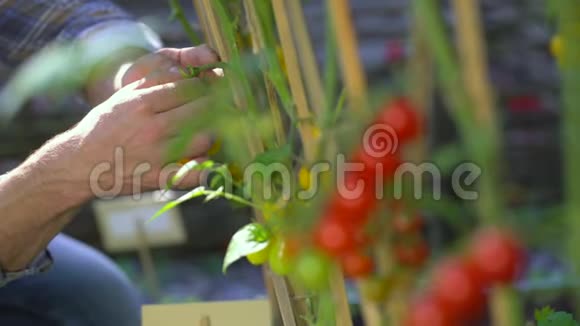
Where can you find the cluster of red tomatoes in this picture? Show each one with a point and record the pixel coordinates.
(457, 294)
(340, 232)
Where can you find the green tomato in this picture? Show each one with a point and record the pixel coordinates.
(279, 260)
(313, 270)
(259, 257)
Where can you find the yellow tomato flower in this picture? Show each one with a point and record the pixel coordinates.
(556, 46)
(304, 178)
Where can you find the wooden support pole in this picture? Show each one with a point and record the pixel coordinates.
(306, 127)
(505, 304)
(352, 69)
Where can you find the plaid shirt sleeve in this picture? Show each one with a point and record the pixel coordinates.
(28, 26)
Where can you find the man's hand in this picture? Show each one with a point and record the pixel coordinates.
(134, 129)
(121, 144)
(130, 66)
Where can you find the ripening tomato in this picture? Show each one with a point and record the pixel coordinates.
(334, 237)
(279, 260)
(404, 224)
(456, 287)
(356, 264)
(412, 255)
(496, 256)
(428, 311)
(313, 269)
(403, 118)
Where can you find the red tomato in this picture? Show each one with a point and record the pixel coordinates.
(427, 311)
(386, 165)
(456, 287)
(404, 224)
(348, 204)
(334, 236)
(355, 211)
(356, 264)
(403, 118)
(412, 255)
(496, 256)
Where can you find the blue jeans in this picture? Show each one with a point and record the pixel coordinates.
(83, 287)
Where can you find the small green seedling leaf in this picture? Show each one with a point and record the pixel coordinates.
(247, 240)
(543, 313)
(197, 192)
(188, 167)
(548, 317)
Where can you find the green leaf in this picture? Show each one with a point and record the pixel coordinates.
(247, 240)
(559, 318)
(543, 313)
(188, 167)
(546, 316)
(197, 192)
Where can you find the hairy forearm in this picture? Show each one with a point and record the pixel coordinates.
(36, 201)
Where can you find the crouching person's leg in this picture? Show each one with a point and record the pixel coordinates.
(83, 287)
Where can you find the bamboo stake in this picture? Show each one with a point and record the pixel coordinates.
(276, 285)
(298, 307)
(307, 57)
(305, 125)
(217, 40)
(202, 21)
(506, 309)
(340, 298)
(472, 52)
(421, 78)
(352, 69)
